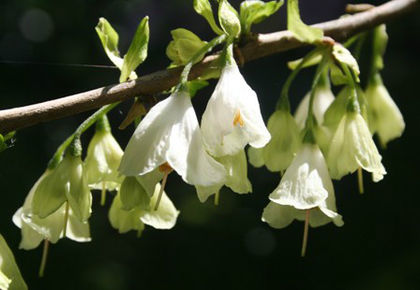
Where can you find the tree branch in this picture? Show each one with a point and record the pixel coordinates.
(262, 45)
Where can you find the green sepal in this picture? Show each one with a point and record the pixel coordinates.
(302, 32)
(132, 194)
(253, 12)
(203, 8)
(229, 19)
(109, 40)
(137, 52)
(195, 85)
(183, 47)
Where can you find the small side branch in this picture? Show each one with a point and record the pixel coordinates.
(263, 45)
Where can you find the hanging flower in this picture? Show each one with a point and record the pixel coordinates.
(236, 179)
(10, 276)
(170, 134)
(55, 226)
(232, 117)
(385, 118)
(284, 143)
(306, 185)
(103, 158)
(163, 218)
(67, 182)
(352, 147)
(323, 97)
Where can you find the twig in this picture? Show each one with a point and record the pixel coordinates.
(260, 46)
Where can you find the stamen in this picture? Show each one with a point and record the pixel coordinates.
(360, 180)
(216, 198)
(237, 119)
(166, 169)
(66, 218)
(305, 233)
(44, 258)
(103, 194)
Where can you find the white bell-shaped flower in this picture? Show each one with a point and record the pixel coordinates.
(352, 147)
(10, 276)
(306, 185)
(103, 158)
(323, 97)
(283, 146)
(306, 182)
(232, 118)
(170, 133)
(163, 218)
(35, 229)
(385, 119)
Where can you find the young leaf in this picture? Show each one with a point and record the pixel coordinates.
(255, 11)
(313, 60)
(302, 31)
(229, 19)
(137, 52)
(184, 46)
(203, 8)
(109, 40)
(343, 56)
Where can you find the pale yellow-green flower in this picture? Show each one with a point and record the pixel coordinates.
(103, 158)
(284, 143)
(385, 119)
(10, 276)
(352, 147)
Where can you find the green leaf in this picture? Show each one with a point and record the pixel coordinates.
(203, 8)
(137, 52)
(184, 46)
(109, 40)
(196, 85)
(229, 19)
(302, 31)
(133, 195)
(380, 41)
(343, 56)
(255, 11)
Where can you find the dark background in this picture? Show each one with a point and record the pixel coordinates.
(224, 247)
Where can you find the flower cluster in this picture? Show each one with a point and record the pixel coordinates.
(328, 137)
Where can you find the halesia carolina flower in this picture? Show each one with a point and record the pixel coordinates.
(352, 147)
(283, 146)
(55, 226)
(10, 276)
(306, 184)
(232, 118)
(163, 218)
(170, 134)
(323, 97)
(103, 158)
(66, 183)
(237, 179)
(385, 118)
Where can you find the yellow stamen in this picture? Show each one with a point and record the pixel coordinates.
(305, 233)
(237, 119)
